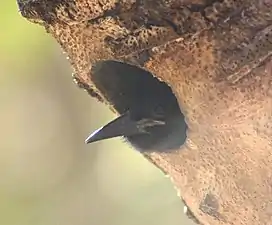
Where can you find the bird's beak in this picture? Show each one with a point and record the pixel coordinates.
(122, 126)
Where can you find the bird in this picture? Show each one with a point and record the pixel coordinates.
(149, 118)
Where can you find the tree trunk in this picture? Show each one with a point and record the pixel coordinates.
(216, 57)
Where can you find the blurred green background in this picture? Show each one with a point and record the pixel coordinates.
(48, 175)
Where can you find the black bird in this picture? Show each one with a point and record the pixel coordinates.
(150, 117)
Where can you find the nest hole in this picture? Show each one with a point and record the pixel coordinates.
(130, 88)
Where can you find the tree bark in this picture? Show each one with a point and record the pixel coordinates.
(216, 57)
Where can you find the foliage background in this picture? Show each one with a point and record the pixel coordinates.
(48, 175)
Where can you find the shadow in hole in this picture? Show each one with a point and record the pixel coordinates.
(138, 95)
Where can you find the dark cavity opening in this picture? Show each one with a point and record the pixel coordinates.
(130, 88)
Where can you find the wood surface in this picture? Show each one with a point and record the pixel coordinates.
(216, 57)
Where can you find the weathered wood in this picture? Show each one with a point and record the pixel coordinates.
(216, 57)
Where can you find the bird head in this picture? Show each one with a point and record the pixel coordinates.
(150, 117)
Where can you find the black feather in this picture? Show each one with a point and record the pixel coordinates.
(135, 91)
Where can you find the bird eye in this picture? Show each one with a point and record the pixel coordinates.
(159, 111)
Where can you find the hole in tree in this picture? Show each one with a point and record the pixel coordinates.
(131, 89)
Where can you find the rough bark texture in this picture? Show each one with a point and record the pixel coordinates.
(216, 57)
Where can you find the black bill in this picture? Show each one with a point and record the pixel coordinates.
(124, 125)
